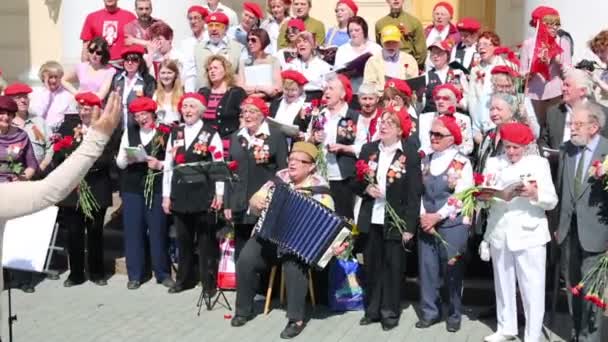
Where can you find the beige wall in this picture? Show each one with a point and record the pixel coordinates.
(14, 41)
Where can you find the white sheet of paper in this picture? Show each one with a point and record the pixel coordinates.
(289, 130)
(138, 153)
(27, 239)
(259, 75)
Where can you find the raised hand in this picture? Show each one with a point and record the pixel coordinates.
(112, 113)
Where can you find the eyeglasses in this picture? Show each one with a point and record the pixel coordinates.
(293, 159)
(442, 98)
(389, 123)
(132, 58)
(252, 40)
(95, 51)
(578, 124)
(438, 135)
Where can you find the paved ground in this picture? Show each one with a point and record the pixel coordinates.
(113, 313)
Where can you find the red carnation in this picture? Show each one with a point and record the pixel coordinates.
(58, 146)
(180, 159)
(362, 170)
(492, 135)
(218, 155)
(314, 102)
(211, 148)
(233, 165)
(164, 129)
(68, 140)
(451, 110)
(478, 178)
(421, 154)
(577, 289)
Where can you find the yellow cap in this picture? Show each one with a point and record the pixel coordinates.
(390, 33)
(306, 147)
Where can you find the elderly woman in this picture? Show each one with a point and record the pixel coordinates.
(398, 94)
(289, 109)
(546, 90)
(480, 83)
(393, 177)
(260, 151)
(194, 142)
(446, 98)
(94, 75)
(441, 28)
(29, 197)
(338, 35)
(52, 101)
(169, 91)
(518, 232)
(135, 81)
(259, 65)
(17, 158)
(446, 171)
(465, 52)
(309, 63)
(279, 12)
(143, 216)
(289, 53)
(441, 73)
(37, 129)
(75, 220)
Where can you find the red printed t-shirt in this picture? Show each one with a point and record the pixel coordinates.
(110, 26)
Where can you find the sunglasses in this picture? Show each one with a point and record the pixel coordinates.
(441, 98)
(95, 51)
(438, 135)
(132, 58)
(252, 40)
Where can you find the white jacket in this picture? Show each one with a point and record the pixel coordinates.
(520, 223)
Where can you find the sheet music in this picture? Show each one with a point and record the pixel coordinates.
(259, 75)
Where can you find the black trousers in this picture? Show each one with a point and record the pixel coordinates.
(242, 233)
(76, 223)
(344, 198)
(576, 262)
(384, 265)
(256, 257)
(193, 227)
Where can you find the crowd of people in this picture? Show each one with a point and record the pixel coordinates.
(384, 131)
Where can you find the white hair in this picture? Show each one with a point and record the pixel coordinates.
(201, 108)
(368, 88)
(449, 93)
(581, 79)
(595, 112)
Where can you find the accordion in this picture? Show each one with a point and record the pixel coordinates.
(301, 226)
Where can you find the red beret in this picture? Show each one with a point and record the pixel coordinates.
(399, 85)
(446, 5)
(348, 88)
(503, 69)
(17, 89)
(8, 104)
(294, 76)
(254, 8)
(196, 96)
(143, 104)
(217, 17)
(445, 45)
(297, 24)
(468, 24)
(88, 99)
(257, 102)
(351, 4)
(516, 133)
(131, 49)
(449, 121)
(199, 9)
(450, 87)
(540, 12)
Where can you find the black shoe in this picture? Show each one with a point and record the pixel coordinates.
(168, 282)
(72, 282)
(52, 276)
(176, 289)
(367, 320)
(239, 321)
(452, 326)
(292, 329)
(423, 323)
(100, 282)
(133, 284)
(28, 288)
(389, 324)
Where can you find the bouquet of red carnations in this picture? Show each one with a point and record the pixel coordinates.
(594, 285)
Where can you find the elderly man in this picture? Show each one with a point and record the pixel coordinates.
(196, 19)
(217, 44)
(411, 33)
(301, 9)
(582, 233)
(250, 18)
(340, 148)
(258, 254)
(136, 31)
(215, 6)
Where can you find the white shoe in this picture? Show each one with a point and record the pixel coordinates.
(498, 337)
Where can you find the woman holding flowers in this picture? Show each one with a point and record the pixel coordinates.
(86, 206)
(17, 158)
(191, 194)
(260, 151)
(390, 184)
(445, 231)
(141, 186)
(517, 231)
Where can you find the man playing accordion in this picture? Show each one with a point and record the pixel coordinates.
(258, 254)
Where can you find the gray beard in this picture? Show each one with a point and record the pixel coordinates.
(578, 142)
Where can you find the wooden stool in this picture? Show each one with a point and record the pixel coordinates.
(273, 273)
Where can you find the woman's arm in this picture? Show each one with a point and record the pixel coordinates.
(28, 197)
(67, 80)
(105, 86)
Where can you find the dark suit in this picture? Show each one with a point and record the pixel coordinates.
(582, 232)
(384, 254)
(147, 82)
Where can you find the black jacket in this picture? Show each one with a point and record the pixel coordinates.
(147, 82)
(403, 194)
(228, 110)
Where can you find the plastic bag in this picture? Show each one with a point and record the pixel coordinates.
(345, 291)
(226, 275)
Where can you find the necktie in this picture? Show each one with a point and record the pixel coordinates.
(578, 176)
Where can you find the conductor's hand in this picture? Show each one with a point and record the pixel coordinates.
(109, 119)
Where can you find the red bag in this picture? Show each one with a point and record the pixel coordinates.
(226, 275)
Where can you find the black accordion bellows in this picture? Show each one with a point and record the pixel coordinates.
(301, 226)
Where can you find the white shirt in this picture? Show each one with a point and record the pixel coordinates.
(189, 63)
(145, 136)
(254, 140)
(567, 120)
(346, 52)
(424, 127)
(129, 86)
(315, 71)
(385, 159)
(55, 105)
(191, 132)
(287, 112)
(272, 27)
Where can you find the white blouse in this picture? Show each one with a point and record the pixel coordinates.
(287, 112)
(315, 71)
(385, 158)
(145, 136)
